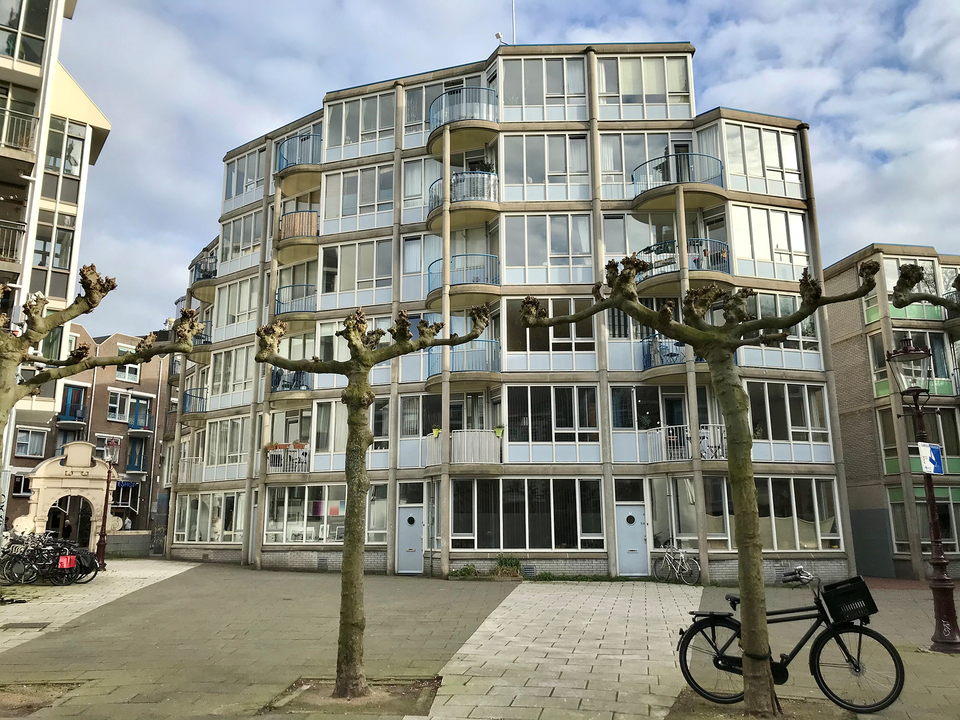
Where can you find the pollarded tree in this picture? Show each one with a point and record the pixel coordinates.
(365, 352)
(910, 277)
(15, 349)
(717, 345)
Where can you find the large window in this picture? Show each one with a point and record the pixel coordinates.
(209, 517)
(316, 514)
(939, 380)
(347, 271)
(801, 349)
(232, 371)
(789, 413)
(358, 199)
(23, 27)
(576, 338)
(53, 254)
(30, 442)
(650, 424)
(118, 406)
(769, 243)
(236, 304)
(948, 511)
(763, 160)
(419, 251)
(244, 177)
(360, 127)
(622, 153)
(534, 514)
(651, 88)
(547, 248)
(128, 373)
(914, 311)
(241, 237)
(418, 176)
(228, 441)
(545, 167)
(553, 423)
(331, 428)
(544, 89)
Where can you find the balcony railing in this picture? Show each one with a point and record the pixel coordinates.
(300, 150)
(679, 168)
(170, 422)
(472, 185)
(205, 268)
(467, 103)
(465, 269)
(474, 356)
(19, 131)
(288, 460)
(286, 380)
(713, 442)
(702, 254)
(179, 306)
(194, 400)
(475, 446)
(138, 464)
(140, 420)
(658, 350)
(296, 298)
(74, 412)
(302, 223)
(204, 337)
(11, 240)
(671, 442)
(175, 366)
(191, 470)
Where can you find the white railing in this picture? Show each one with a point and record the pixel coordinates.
(433, 451)
(191, 470)
(671, 442)
(713, 442)
(475, 446)
(288, 460)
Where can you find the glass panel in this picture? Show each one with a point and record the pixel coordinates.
(514, 515)
(488, 513)
(591, 522)
(462, 507)
(538, 500)
(565, 515)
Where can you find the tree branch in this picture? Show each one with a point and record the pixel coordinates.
(95, 288)
(767, 339)
(404, 342)
(269, 352)
(911, 276)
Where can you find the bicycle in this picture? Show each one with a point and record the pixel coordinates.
(856, 667)
(675, 562)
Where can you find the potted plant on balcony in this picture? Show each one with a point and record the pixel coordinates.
(499, 431)
(485, 166)
(436, 431)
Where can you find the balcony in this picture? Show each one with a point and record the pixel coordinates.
(138, 464)
(179, 306)
(290, 380)
(11, 243)
(473, 447)
(473, 365)
(204, 272)
(201, 344)
(194, 405)
(703, 174)
(176, 364)
(191, 470)
(658, 351)
(298, 164)
(474, 280)
(703, 255)
(19, 131)
(73, 415)
(713, 441)
(296, 299)
(299, 237)
(169, 425)
(140, 423)
(473, 114)
(293, 458)
(474, 200)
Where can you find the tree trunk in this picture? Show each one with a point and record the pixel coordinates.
(760, 697)
(351, 680)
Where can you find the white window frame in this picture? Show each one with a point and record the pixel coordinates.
(370, 140)
(558, 184)
(370, 211)
(118, 411)
(755, 243)
(570, 104)
(566, 268)
(779, 173)
(128, 373)
(184, 513)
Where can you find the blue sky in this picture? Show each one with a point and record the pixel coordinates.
(182, 83)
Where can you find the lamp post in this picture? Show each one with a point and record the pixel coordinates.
(912, 373)
(111, 453)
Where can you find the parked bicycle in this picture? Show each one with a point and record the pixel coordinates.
(675, 563)
(28, 558)
(856, 667)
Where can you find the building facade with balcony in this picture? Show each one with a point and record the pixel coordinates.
(582, 449)
(891, 529)
(51, 134)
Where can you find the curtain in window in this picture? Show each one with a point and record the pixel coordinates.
(578, 156)
(610, 158)
(575, 84)
(409, 414)
(708, 141)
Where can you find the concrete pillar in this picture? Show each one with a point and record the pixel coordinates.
(445, 377)
(175, 472)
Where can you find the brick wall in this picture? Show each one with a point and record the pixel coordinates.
(861, 452)
(374, 561)
(557, 566)
(724, 572)
(205, 554)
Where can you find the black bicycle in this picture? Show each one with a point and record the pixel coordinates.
(853, 665)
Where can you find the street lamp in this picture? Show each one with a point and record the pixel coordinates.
(111, 453)
(912, 370)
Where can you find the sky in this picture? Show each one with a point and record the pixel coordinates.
(184, 82)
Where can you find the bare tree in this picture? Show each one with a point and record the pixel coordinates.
(365, 352)
(717, 344)
(910, 277)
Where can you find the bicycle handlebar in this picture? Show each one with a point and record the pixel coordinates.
(798, 574)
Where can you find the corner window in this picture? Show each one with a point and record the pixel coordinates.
(128, 373)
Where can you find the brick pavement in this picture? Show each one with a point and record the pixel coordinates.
(552, 651)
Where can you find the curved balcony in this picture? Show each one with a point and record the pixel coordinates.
(203, 275)
(703, 174)
(290, 387)
(194, 405)
(176, 366)
(179, 306)
(703, 255)
(659, 351)
(474, 200)
(952, 317)
(473, 114)
(473, 365)
(201, 344)
(298, 164)
(474, 280)
(296, 299)
(299, 237)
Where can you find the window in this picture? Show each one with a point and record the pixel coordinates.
(63, 157)
(100, 451)
(545, 167)
(578, 337)
(651, 88)
(621, 154)
(245, 175)
(915, 311)
(348, 270)
(29, 17)
(228, 441)
(650, 425)
(232, 371)
(418, 176)
(936, 343)
(418, 102)
(63, 438)
(419, 252)
(53, 248)
(209, 517)
(788, 412)
(518, 514)
(127, 373)
(548, 248)
(542, 414)
(20, 106)
(316, 513)
(137, 455)
(358, 199)
(763, 160)
(126, 495)
(360, 127)
(948, 512)
(117, 406)
(377, 514)
(801, 349)
(942, 430)
(544, 89)
(241, 237)
(331, 427)
(237, 303)
(769, 243)
(21, 486)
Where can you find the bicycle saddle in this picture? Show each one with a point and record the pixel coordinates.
(733, 599)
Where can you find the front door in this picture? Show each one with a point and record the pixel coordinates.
(410, 541)
(632, 557)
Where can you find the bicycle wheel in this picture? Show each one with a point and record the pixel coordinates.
(662, 569)
(90, 574)
(690, 571)
(710, 659)
(857, 668)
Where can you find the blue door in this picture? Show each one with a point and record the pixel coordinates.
(632, 556)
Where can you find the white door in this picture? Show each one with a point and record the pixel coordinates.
(410, 541)
(632, 556)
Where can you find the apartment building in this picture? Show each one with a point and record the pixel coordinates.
(891, 528)
(51, 134)
(580, 450)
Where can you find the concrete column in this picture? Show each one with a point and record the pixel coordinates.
(826, 351)
(445, 377)
(175, 473)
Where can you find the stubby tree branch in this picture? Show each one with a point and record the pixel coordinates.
(269, 352)
(95, 289)
(911, 276)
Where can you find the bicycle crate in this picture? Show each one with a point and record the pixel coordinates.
(848, 600)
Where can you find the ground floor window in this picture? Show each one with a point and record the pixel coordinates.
(209, 517)
(317, 514)
(948, 510)
(535, 514)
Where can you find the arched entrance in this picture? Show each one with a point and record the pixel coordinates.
(71, 518)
